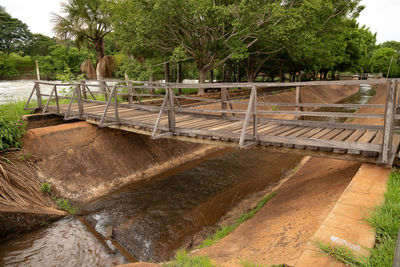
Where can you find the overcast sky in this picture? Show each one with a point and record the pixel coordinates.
(381, 16)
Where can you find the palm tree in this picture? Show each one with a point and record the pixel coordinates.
(85, 23)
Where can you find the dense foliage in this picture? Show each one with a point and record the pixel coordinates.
(228, 40)
(11, 125)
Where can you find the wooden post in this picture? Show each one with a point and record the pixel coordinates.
(38, 96)
(255, 113)
(79, 98)
(130, 91)
(103, 87)
(224, 98)
(115, 104)
(389, 122)
(397, 121)
(83, 88)
(171, 111)
(37, 70)
(298, 101)
(249, 111)
(57, 102)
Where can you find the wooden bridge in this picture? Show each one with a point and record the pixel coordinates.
(228, 117)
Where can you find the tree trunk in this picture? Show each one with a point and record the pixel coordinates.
(202, 79)
(211, 76)
(100, 49)
(238, 73)
(179, 77)
(167, 72)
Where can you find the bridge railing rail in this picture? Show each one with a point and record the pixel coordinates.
(160, 98)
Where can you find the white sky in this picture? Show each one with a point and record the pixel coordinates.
(381, 16)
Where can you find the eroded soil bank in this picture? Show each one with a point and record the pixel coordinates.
(83, 161)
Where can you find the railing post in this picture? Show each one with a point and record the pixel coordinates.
(57, 102)
(38, 95)
(171, 109)
(115, 104)
(83, 88)
(388, 127)
(255, 113)
(249, 112)
(79, 98)
(298, 101)
(224, 98)
(130, 91)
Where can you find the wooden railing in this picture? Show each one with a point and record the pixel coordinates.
(162, 98)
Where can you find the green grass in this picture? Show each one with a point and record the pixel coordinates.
(341, 253)
(13, 110)
(386, 222)
(218, 235)
(11, 125)
(182, 259)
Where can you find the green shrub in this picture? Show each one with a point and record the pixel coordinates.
(45, 188)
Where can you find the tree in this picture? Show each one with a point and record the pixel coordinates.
(209, 31)
(14, 34)
(39, 45)
(85, 23)
(381, 60)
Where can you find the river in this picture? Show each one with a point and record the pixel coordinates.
(152, 219)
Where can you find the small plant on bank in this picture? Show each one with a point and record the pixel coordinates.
(182, 259)
(45, 188)
(224, 231)
(65, 205)
(275, 108)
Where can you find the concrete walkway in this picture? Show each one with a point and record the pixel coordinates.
(346, 224)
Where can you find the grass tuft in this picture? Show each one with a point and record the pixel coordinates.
(341, 253)
(182, 259)
(45, 188)
(224, 231)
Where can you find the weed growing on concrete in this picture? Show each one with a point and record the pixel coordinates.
(341, 253)
(45, 188)
(218, 235)
(182, 259)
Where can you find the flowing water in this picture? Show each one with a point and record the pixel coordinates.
(152, 219)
